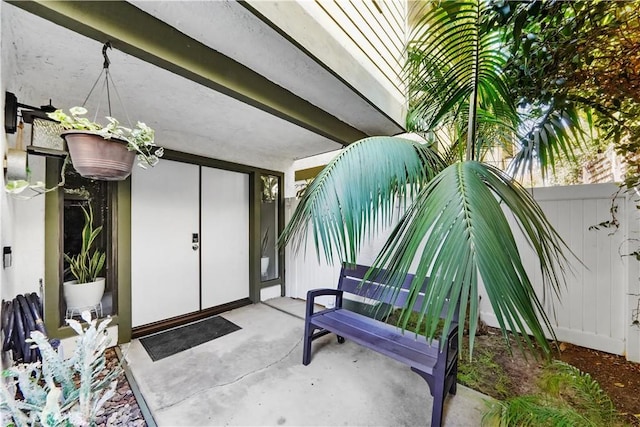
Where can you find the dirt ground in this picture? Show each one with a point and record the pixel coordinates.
(617, 377)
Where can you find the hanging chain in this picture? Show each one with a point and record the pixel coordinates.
(106, 86)
(124, 108)
(105, 66)
(92, 88)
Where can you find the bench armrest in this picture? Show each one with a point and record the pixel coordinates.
(312, 294)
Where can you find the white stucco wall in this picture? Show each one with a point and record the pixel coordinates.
(3, 150)
(24, 232)
(22, 221)
(305, 163)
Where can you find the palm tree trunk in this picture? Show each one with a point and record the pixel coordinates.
(473, 97)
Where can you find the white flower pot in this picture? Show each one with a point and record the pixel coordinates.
(83, 295)
(264, 265)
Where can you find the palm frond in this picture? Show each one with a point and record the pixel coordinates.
(560, 379)
(492, 131)
(533, 411)
(356, 190)
(566, 397)
(458, 230)
(554, 135)
(454, 61)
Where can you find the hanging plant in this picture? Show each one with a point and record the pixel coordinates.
(139, 140)
(16, 188)
(106, 152)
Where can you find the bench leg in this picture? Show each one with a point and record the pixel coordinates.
(340, 339)
(306, 348)
(454, 373)
(437, 391)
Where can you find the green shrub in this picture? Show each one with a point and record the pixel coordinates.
(57, 392)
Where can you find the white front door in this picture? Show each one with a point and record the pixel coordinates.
(165, 277)
(171, 206)
(225, 236)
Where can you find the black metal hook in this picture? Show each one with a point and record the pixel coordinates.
(106, 46)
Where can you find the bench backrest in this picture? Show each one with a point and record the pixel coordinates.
(375, 287)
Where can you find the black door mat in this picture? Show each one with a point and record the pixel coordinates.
(165, 344)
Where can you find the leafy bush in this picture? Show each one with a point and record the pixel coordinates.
(57, 392)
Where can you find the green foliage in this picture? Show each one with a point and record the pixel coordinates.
(86, 266)
(577, 60)
(454, 77)
(269, 188)
(481, 370)
(473, 373)
(411, 323)
(612, 223)
(57, 392)
(16, 186)
(570, 67)
(461, 213)
(457, 220)
(567, 397)
(139, 139)
(455, 226)
(356, 189)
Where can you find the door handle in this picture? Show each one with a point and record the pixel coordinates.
(195, 246)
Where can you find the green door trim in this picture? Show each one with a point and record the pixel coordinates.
(122, 229)
(143, 36)
(122, 251)
(54, 248)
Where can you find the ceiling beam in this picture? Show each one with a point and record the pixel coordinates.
(139, 34)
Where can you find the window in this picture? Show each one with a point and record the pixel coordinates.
(81, 193)
(270, 202)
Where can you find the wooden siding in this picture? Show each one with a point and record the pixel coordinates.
(373, 31)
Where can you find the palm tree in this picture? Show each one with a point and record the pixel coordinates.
(456, 221)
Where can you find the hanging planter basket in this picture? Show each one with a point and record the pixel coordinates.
(95, 157)
(106, 152)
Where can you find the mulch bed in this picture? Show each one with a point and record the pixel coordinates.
(619, 378)
(123, 408)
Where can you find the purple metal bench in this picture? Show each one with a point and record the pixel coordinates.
(438, 368)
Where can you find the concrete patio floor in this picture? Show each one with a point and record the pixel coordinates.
(255, 377)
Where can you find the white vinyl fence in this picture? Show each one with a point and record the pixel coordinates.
(598, 308)
(594, 310)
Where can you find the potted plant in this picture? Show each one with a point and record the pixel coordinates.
(106, 152)
(87, 289)
(269, 188)
(264, 260)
